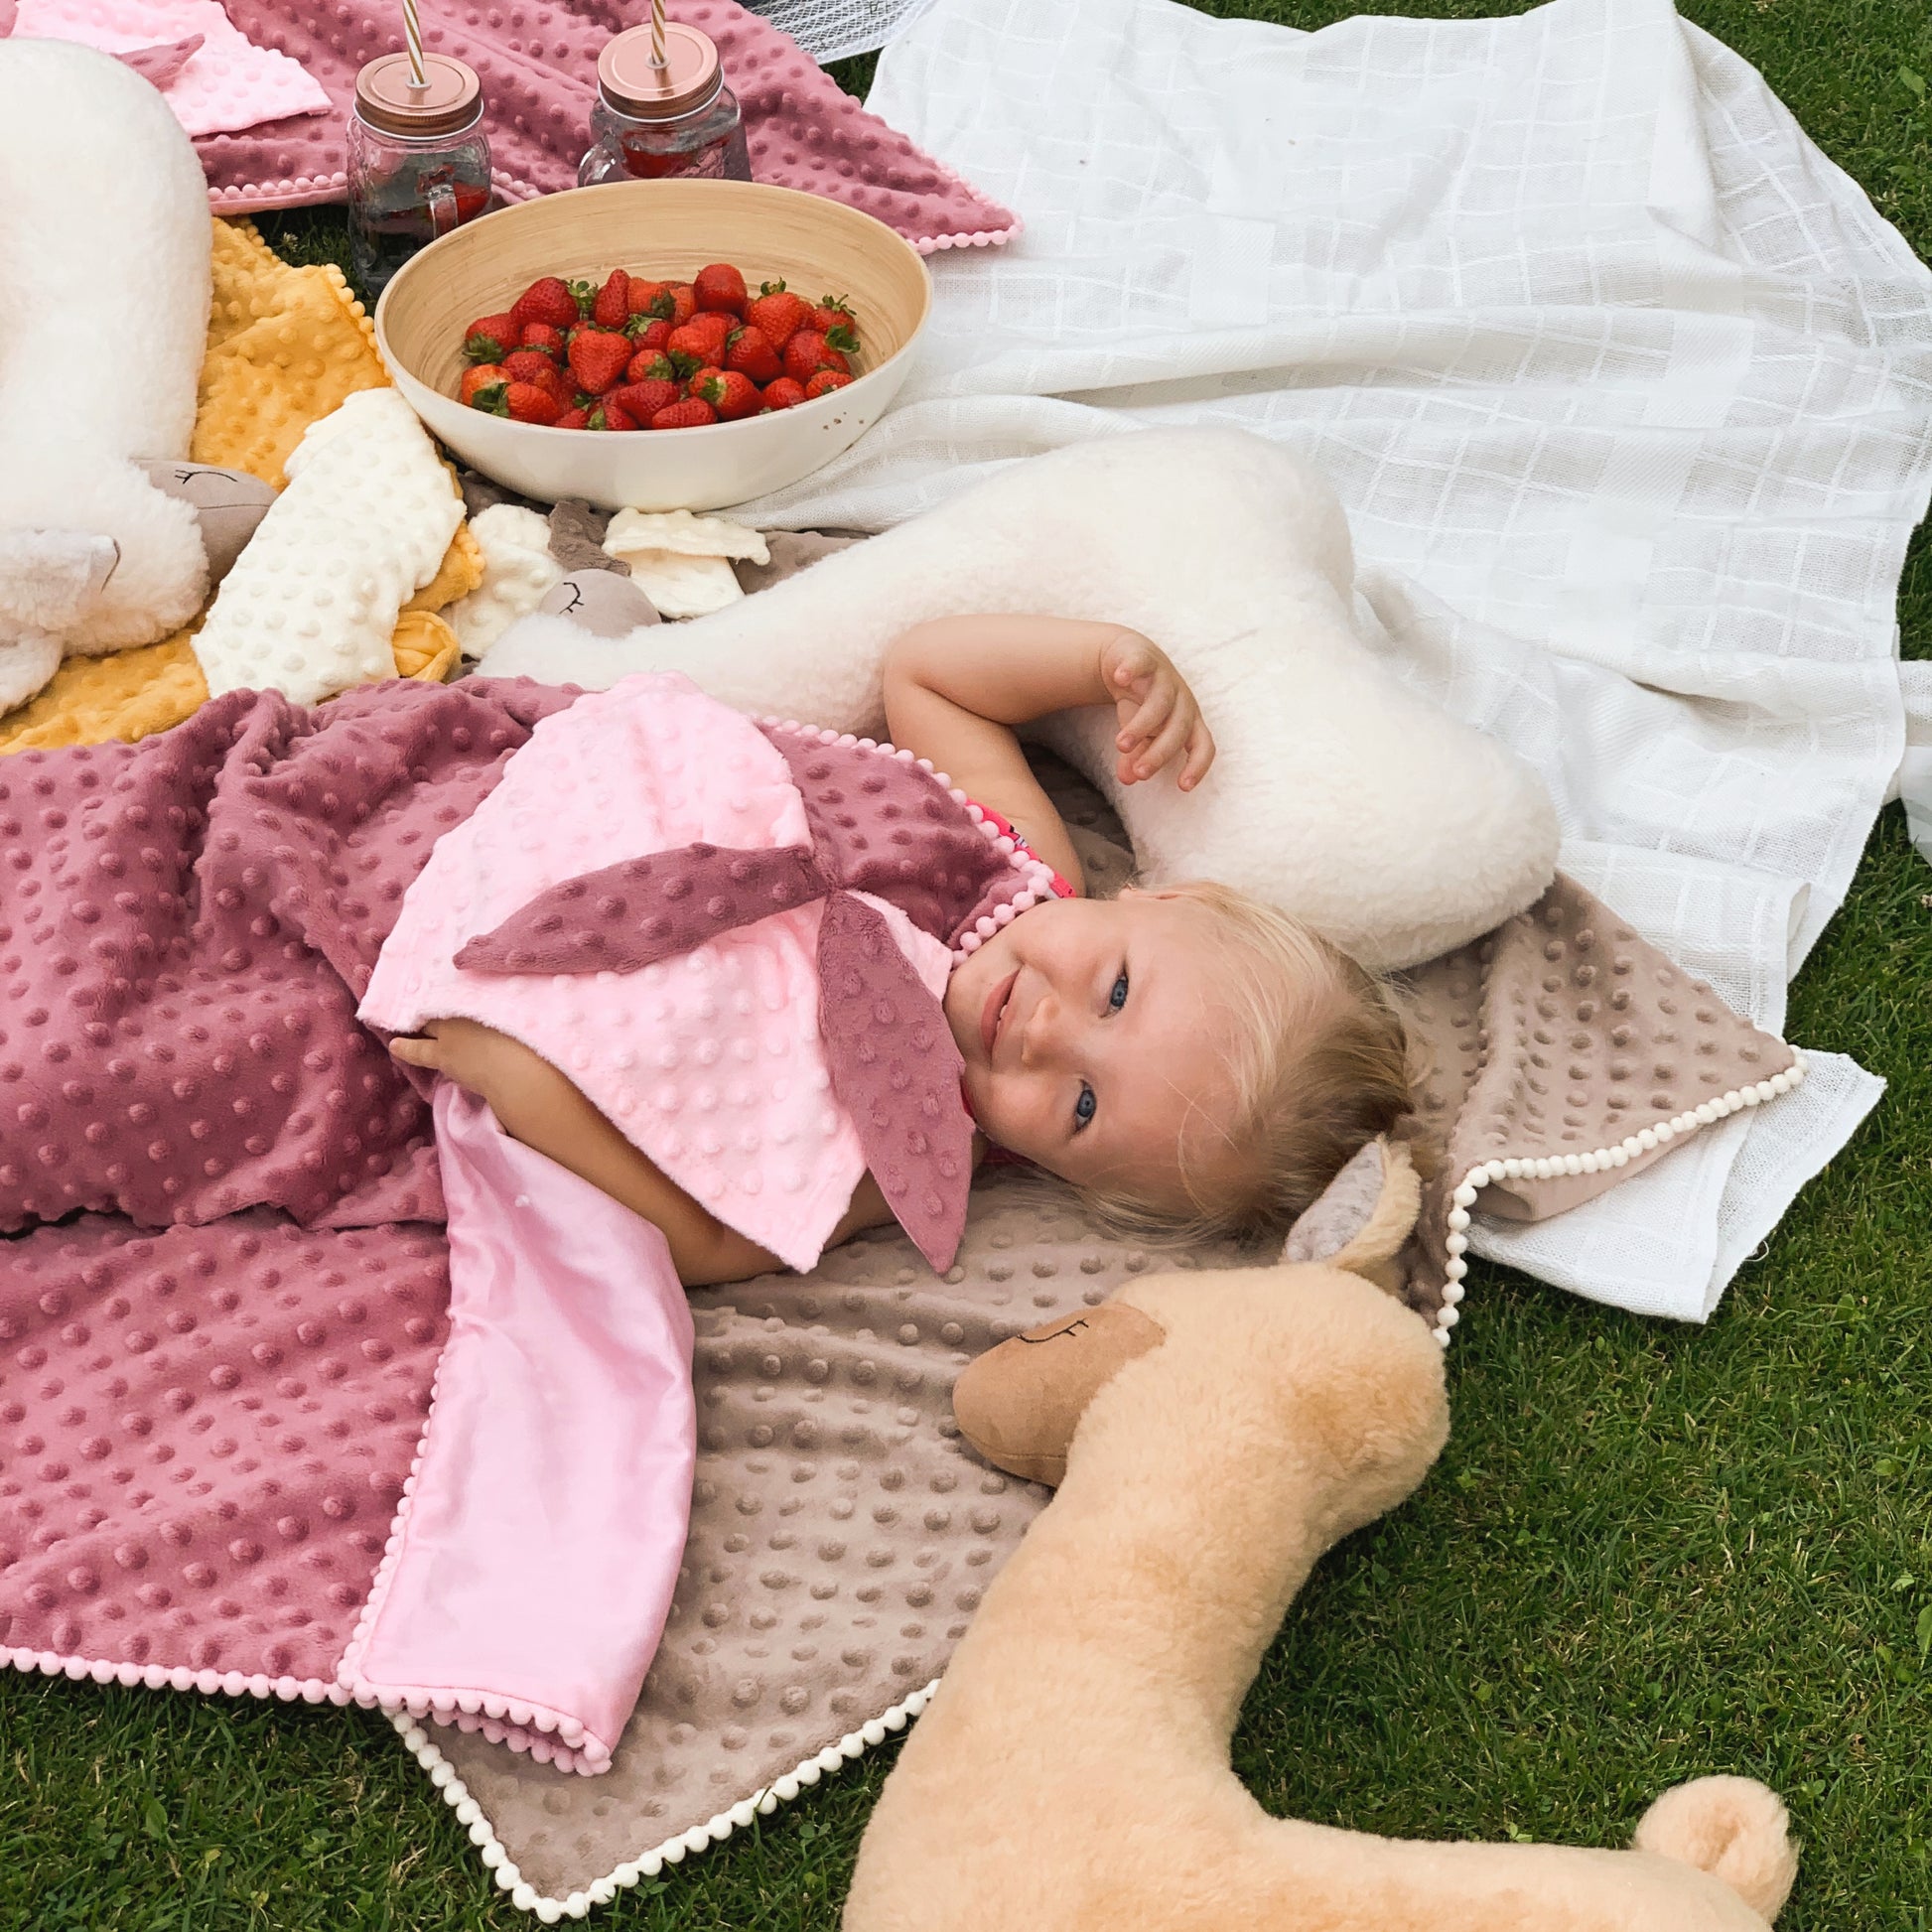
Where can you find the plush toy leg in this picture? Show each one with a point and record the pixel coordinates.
(27, 661)
(1072, 1773)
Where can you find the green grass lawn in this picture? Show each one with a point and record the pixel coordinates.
(1649, 1552)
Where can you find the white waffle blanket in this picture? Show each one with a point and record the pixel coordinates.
(1628, 390)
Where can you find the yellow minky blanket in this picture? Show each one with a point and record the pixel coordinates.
(285, 346)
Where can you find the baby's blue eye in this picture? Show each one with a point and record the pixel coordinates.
(1083, 1108)
(1118, 997)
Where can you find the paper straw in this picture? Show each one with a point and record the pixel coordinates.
(658, 57)
(412, 31)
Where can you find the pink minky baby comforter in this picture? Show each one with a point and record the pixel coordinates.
(537, 60)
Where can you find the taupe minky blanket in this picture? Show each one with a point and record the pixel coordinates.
(840, 1533)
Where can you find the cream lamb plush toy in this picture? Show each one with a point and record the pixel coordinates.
(1340, 794)
(105, 246)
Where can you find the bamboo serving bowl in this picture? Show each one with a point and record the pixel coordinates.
(666, 230)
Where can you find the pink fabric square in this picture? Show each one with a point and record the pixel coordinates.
(226, 85)
(538, 67)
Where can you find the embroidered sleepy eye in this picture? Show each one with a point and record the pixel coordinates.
(1118, 997)
(1085, 1107)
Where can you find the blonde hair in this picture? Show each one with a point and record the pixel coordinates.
(1322, 1064)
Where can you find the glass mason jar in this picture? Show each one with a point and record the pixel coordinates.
(651, 123)
(418, 162)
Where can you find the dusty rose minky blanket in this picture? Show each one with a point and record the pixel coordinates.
(538, 68)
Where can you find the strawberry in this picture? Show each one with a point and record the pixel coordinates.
(692, 413)
(728, 391)
(777, 313)
(654, 365)
(605, 414)
(483, 376)
(642, 400)
(808, 352)
(531, 402)
(599, 359)
(835, 312)
(751, 352)
(491, 337)
(648, 332)
(545, 337)
(702, 338)
(648, 299)
(824, 383)
(530, 366)
(610, 306)
(548, 300)
(683, 299)
(573, 419)
(720, 289)
(783, 393)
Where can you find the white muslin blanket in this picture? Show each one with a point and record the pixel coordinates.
(1628, 391)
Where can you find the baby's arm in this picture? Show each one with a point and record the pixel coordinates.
(544, 1109)
(956, 686)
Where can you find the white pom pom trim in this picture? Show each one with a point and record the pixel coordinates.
(760, 1803)
(1646, 1140)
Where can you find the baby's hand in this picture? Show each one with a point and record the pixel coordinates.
(1158, 718)
(498, 1069)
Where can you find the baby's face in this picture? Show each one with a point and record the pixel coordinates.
(1096, 1035)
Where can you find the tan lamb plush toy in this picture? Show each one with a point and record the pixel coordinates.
(1072, 1773)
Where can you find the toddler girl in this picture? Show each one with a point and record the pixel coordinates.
(1188, 1059)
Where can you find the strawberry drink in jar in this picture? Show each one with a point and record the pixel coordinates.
(418, 161)
(662, 109)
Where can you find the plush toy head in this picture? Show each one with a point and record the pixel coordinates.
(1215, 1434)
(1019, 1403)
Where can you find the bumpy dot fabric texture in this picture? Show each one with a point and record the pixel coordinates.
(223, 85)
(203, 1435)
(538, 68)
(186, 926)
(1565, 1035)
(882, 829)
(310, 603)
(518, 573)
(842, 1533)
(286, 346)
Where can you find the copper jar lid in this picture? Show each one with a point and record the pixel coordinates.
(449, 102)
(689, 80)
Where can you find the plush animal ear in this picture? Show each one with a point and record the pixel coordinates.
(1362, 1217)
(1019, 1403)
